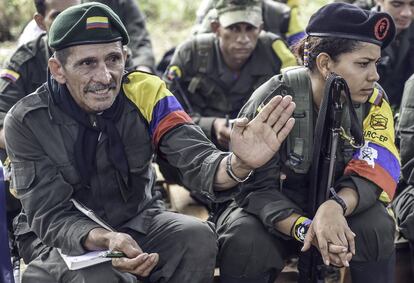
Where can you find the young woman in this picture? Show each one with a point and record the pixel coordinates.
(273, 214)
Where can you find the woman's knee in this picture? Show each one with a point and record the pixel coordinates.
(375, 230)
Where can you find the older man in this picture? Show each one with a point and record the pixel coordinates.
(89, 134)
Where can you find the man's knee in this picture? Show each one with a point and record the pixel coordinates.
(50, 267)
(103, 272)
(197, 237)
(247, 248)
(375, 231)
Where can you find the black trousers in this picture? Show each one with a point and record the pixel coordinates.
(248, 250)
(186, 245)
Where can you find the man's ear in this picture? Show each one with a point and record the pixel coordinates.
(323, 63)
(56, 69)
(40, 21)
(261, 27)
(215, 25)
(125, 52)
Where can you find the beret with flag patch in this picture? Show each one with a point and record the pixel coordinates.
(87, 23)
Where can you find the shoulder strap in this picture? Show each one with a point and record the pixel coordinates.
(299, 142)
(203, 45)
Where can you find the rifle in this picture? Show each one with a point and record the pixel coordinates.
(324, 156)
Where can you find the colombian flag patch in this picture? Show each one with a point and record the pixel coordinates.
(97, 22)
(9, 74)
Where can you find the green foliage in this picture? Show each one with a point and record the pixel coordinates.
(169, 10)
(169, 22)
(14, 14)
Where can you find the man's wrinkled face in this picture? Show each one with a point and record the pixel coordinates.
(93, 74)
(402, 11)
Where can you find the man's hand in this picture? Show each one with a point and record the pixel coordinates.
(329, 227)
(256, 142)
(222, 132)
(136, 261)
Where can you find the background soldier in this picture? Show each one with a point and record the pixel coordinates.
(218, 72)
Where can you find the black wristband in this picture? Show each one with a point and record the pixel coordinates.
(338, 199)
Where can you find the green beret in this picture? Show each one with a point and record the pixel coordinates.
(239, 11)
(87, 23)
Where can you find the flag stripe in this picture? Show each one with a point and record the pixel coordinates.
(385, 159)
(169, 122)
(377, 175)
(164, 106)
(10, 74)
(97, 25)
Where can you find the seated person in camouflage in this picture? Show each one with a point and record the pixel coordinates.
(213, 75)
(26, 69)
(274, 214)
(278, 18)
(404, 204)
(89, 133)
(397, 60)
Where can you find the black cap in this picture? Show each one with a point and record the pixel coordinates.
(345, 20)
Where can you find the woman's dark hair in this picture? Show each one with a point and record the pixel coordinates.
(40, 6)
(333, 46)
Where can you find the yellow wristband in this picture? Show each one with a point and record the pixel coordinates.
(300, 228)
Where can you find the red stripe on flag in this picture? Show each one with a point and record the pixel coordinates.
(377, 175)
